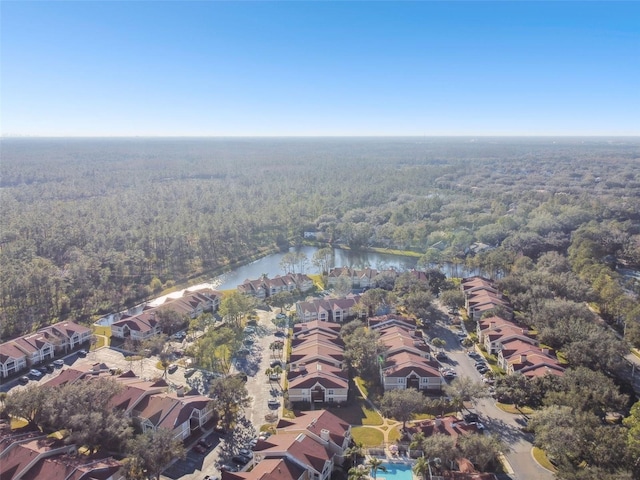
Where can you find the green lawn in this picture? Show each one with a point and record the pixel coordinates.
(369, 437)
(541, 458)
(357, 413)
(510, 408)
(99, 331)
(394, 435)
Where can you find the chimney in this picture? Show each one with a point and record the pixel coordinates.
(324, 434)
(546, 351)
(180, 391)
(437, 422)
(523, 358)
(492, 325)
(525, 331)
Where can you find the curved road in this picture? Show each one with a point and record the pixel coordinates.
(495, 420)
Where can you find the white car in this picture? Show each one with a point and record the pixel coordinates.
(35, 373)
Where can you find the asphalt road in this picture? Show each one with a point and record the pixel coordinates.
(495, 420)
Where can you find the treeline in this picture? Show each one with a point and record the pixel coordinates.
(91, 226)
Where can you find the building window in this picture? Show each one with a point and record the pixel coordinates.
(401, 380)
(330, 392)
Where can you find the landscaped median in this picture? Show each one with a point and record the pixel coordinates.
(541, 457)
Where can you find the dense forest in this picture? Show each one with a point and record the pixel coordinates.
(90, 226)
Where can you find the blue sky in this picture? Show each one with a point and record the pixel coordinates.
(120, 68)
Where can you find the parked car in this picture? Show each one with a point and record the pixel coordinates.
(23, 380)
(172, 368)
(470, 417)
(58, 363)
(275, 363)
(189, 371)
(35, 373)
(82, 353)
(246, 452)
(280, 334)
(199, 448)
(281, 316)
(50, 367)
(220, 429)
(273, 403)
(43, 370)
(225, 467)
(205, 443)
(240, 459)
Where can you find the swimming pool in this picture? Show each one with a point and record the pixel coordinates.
(396, 471)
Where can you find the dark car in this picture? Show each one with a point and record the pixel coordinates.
(172, 368)
(23, 380)
(241, 459)
(82, 353)
(51, 367)
(199, 448)
(220, 429)
(275, 363)
(203, 442)
(471, 417)
(43, 369)
(228, 468)
(280, 334)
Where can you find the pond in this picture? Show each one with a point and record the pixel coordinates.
(270, 265)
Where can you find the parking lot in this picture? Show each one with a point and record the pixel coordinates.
(218, 448)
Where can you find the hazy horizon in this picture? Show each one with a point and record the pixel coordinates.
(319, 69)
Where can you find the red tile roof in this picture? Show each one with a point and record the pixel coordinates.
(299, 446)
(314, 422)
(270, 469)
(403, 363)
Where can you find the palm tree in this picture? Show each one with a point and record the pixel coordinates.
(417, 442)
(356, 473)
(375, 464)
(422, 467)
(354, 452)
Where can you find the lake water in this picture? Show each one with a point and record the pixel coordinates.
(270, 265)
